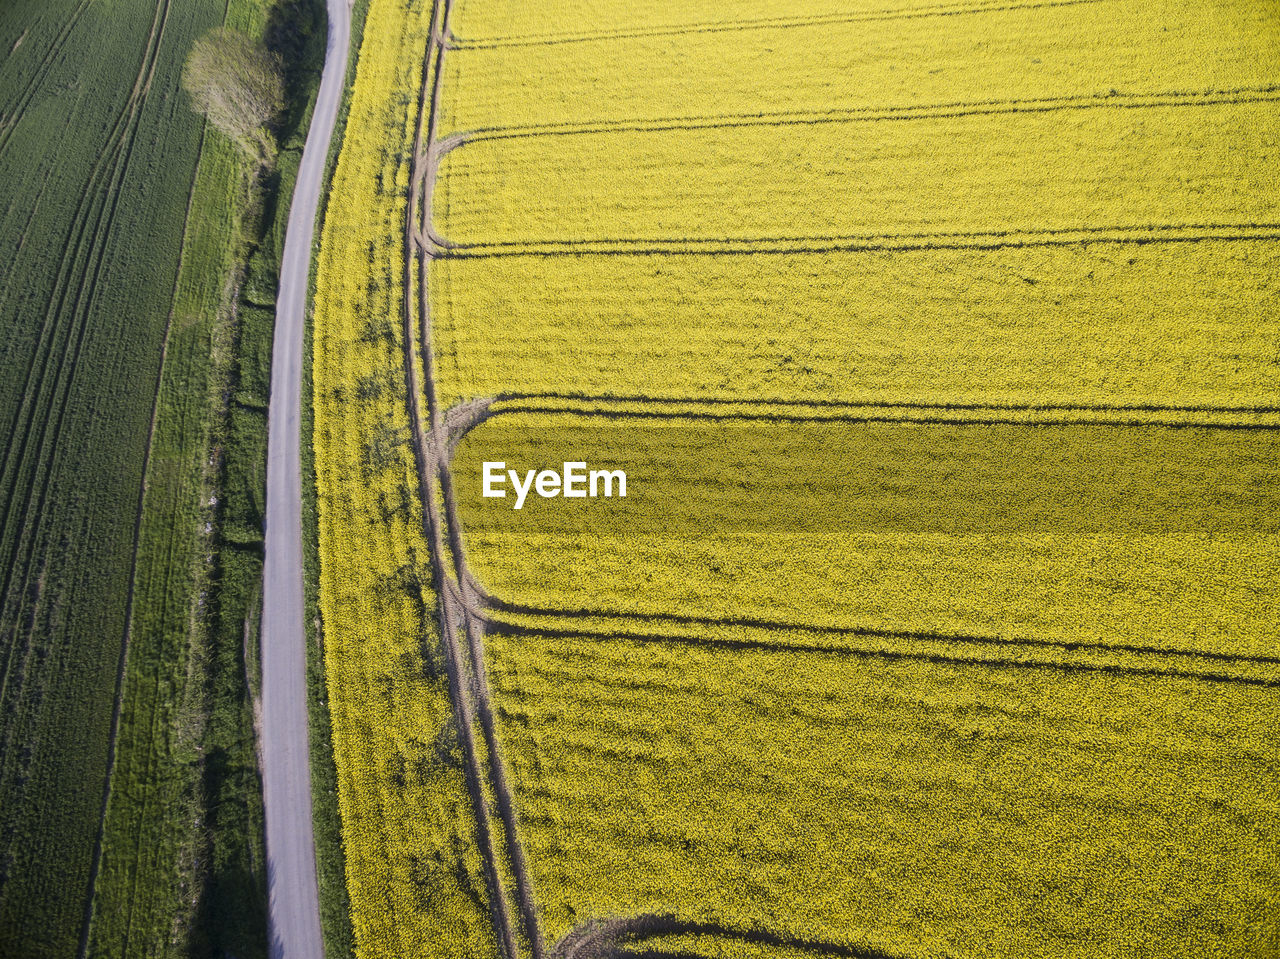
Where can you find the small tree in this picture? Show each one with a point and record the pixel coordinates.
(237, 84)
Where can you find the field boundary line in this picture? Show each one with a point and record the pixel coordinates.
(763, 23)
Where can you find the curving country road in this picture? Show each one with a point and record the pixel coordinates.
(293, 894)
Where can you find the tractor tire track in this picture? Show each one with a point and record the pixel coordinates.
(431, 239)
(483, 604)
(38, 449)
(761, 23)
(1028, 237)
(728, 121)
(902, 414)
(504, 628)
(40, 452)
(11, 120)
(475, 627)
(694, 401)
(968, 639)
(466, 681)
(610, 939)
(30, 413)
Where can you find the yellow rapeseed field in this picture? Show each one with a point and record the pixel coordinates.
(640, 62)
(1154, 168)
(938, 340)
(1099, 324)
(924, 809)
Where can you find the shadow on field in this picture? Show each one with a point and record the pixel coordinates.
(231, 917)
(295, 33)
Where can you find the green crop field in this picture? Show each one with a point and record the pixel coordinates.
(95, 179)
(132, 397)
(938, 342)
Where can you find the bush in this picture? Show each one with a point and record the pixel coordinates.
(237, 84)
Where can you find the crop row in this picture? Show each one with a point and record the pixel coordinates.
(1174, 167)
(1079, 325)
(776, 22)
(1151, 536)
(1113, 100)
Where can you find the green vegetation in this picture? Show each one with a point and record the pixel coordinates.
(95, 176)
(217, 881)
(173, 861)
(237, 85)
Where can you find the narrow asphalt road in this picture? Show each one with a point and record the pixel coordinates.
(294, 899)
